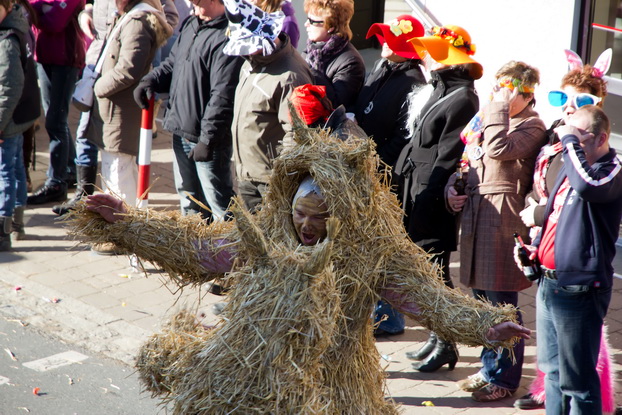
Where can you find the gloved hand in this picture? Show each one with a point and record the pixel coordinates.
(201, 152)
(143, 93)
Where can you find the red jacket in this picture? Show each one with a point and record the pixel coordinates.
(59, 40)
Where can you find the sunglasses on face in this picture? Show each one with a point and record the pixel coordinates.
(312, 22)
(560, 99)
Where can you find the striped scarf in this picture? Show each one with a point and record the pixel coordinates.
(542, 166)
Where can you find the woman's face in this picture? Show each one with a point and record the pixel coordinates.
(316, 28)
(388, 54)
(310, 214)
(3, 13)
(518, 104)
(121, 5)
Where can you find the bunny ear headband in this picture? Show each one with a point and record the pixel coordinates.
(599, 69)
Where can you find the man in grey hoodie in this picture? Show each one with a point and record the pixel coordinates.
(19, 108)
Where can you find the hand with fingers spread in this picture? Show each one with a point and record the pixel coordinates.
(507, 330)
(108, 206)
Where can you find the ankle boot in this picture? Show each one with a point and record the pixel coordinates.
(425, 350)
(444, 353)
(17, 224)
(5, 233)
(86, 186)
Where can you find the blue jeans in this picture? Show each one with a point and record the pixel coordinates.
(498, 368)
(57, 84)
(12, 175)
(209, 182)
(569, 322)
(395, 321)
(86, 152)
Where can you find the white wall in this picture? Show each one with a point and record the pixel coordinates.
(533, 31)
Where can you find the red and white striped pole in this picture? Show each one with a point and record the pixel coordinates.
(144, 156)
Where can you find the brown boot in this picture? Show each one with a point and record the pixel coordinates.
(107, 248)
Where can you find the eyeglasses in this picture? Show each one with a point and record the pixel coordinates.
(318, 23)
(560, 98)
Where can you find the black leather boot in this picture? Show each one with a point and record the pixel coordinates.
(17, 224)
(444, 353)
(86, 186)
(5, 233)
(425, 350)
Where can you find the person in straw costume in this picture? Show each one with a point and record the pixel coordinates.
(296, 335)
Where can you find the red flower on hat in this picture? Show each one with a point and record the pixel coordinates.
(453, 38)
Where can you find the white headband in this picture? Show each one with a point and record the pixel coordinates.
(307, 186)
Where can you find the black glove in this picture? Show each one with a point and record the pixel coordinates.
(201, 152)
(143, 93)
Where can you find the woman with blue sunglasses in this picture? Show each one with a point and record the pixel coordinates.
(582, 85)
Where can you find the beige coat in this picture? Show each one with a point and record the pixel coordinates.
(497, 184)
(114, 124)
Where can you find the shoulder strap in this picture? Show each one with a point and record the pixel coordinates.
(436, 104)
(138, 8)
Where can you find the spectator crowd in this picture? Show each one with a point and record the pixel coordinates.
(467, 170)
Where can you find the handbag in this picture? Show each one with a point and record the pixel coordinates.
(84, 95)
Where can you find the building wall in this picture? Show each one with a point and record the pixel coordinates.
(533, 31)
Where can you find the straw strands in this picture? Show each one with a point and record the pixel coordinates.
(165, 238)
(296, 336)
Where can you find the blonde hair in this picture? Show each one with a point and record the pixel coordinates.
(336, 13)
(269, 6)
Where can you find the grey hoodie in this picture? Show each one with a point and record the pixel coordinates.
(11, 72)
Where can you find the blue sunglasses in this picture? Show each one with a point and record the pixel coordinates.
(560, 99)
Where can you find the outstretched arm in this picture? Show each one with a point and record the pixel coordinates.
(188, 249)
(414, 286)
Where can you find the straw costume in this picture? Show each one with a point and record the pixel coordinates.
(296, 335)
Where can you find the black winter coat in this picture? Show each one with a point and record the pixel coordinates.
(201, 80)
(343, 78)
(381, 108)
(428, 160)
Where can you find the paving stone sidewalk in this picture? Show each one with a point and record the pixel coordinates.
(106, 306)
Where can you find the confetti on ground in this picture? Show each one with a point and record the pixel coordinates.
(17, 287)
(115, 386)
(427, 403)
(23, 408)
(35, 391)
(10, 353)
(23, 324)
(125, 276)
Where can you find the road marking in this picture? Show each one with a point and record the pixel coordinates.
(56, 361)
(3, 380)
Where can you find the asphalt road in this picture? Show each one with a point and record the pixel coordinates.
(40, 374)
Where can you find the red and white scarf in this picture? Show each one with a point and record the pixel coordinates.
(542, 166)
